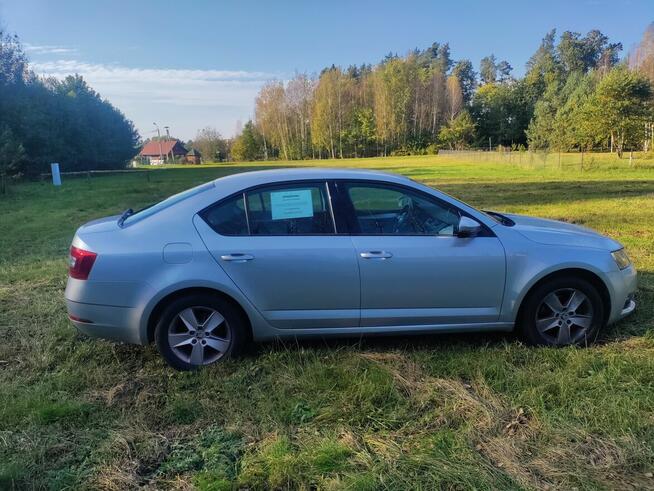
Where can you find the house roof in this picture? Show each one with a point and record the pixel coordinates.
(194, 153)
(155, 148)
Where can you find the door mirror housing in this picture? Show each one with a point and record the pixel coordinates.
(468, 227)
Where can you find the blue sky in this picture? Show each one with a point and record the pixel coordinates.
(198, 63)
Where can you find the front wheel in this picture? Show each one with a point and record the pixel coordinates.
(563, 311)
(198, 330)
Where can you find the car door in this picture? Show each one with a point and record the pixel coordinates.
(414, 268)
(278, 244)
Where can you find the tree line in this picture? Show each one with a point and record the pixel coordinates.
(44, 120)
(577, 94)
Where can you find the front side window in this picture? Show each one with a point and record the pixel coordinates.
(391, 210)
(301, 209)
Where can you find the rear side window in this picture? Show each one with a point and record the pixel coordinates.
(228, 217)
(300, 209)
(295, 209)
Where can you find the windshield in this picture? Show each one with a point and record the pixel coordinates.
(171, 200)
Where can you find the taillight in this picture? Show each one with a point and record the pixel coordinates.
(81, 262)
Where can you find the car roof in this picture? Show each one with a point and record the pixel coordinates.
(255, 178)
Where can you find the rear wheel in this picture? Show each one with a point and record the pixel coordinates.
(198, 330)
(563, 311)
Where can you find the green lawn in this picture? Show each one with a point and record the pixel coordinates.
(429, 412)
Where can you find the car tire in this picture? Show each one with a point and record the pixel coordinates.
(198, 330)
(562, 311)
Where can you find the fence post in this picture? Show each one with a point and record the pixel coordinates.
(56, 176)
(582, 161)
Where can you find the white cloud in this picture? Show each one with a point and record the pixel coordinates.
(186, 100)
(48, 49)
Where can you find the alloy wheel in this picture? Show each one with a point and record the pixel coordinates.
(199, 335)
(564, 316)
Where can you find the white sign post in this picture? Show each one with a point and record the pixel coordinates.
(56, 176)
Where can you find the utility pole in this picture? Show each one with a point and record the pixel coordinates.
(172, 157)
(159, 138)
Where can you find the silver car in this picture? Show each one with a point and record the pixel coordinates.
(332, 252)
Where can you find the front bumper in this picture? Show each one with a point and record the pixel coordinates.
(629, 307)
(623, 286)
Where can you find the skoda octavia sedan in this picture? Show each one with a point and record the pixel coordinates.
(328, 252)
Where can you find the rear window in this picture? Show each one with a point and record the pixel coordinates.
(291, 209)
(171, 200)
(227, 217)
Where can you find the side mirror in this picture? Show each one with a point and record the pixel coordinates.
(468, 227)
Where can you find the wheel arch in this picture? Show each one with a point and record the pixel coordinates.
(585, 274)
(194, 290)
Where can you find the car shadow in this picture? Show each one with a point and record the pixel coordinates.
(385, 342)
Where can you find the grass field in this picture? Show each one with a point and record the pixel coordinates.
(428, 412)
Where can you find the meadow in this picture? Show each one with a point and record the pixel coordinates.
(427, 412)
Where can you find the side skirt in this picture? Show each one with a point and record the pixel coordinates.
(273, 333)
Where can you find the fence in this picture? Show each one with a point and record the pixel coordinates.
(89, 173)
(553, 160)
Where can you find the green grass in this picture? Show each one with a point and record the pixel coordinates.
(428, 412)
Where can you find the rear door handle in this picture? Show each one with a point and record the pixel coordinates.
(376, 255)
(237, 257)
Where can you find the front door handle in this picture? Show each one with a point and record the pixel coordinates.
(237, 257)
(376, 255)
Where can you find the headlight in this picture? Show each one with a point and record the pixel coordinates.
(621, 259)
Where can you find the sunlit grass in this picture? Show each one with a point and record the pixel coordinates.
(429, 412)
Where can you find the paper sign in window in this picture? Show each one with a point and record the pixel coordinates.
(291, 204)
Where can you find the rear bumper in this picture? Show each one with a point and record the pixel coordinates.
(102, 321)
